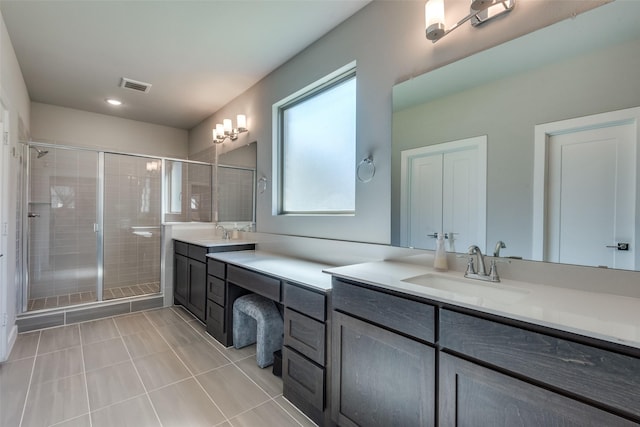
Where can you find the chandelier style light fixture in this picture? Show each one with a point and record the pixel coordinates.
(480, 12)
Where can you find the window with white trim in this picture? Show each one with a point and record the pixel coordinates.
(316, 137)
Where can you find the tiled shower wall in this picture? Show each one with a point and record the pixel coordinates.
(236, 194)
(132, 216)
(62, 242)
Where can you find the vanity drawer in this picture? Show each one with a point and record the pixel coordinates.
(305, 301)
(254, 282)
(410, 317)
(216, 268)
(181, 248)
(305, 334)
(601, 375)
(198, 253)
(215, 319)
(303, 379)
(215, 289)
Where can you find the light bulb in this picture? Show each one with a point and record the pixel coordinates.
(227, 126)
(242, 122)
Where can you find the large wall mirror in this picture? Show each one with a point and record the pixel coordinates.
(576, 68)
(237, 185)
(191, 192)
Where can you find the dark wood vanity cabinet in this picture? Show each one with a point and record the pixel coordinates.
(518, 376)
(180, 273)
(473, 395)
(388, 349)
(190, 272)
(190, 279)
(383, 359)
(305, 314)
(304, 355)
(216, 299)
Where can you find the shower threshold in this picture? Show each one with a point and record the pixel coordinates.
(66, 300)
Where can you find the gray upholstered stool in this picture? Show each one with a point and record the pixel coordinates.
(256, 319)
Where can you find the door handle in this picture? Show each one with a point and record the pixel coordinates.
(435, 235)
(33, 215)
(619, 246)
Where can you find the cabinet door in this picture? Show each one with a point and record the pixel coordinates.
(380, 378)
(472, 395)
(197, 298)
(181, 278)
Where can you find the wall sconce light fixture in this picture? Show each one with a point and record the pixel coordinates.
(226, 129)
(480, 12)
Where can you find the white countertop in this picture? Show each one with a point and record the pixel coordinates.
(598, 315)
(212, 242)
(286, 268)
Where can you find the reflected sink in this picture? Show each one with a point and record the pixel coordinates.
(469, 290)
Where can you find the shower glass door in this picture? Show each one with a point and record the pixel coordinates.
(93, 226)
(131, 232)
(62, 246)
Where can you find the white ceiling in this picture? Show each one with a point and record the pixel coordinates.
(198, 55)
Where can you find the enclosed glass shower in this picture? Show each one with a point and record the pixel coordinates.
(93, 230)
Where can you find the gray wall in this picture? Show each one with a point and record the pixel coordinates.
(507, 112)
(67, 126)
(387, 40)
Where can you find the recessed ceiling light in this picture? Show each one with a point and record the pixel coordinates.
(112, 101)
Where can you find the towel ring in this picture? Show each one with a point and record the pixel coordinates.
(366, 169)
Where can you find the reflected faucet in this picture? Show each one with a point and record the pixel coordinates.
(499, 245)
(225, 233)
(482, 272)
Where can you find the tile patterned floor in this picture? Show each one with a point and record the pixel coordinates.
(152, 368)
(82, 297)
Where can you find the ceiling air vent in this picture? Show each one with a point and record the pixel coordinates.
(135, 85)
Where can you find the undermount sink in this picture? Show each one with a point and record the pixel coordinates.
(467, 290)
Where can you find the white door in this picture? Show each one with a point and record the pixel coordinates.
(425, 201)
(443, 189)
(592, 187)
(462, 212)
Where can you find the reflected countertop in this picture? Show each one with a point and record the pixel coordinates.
(211, 242)
(283, 267)
(608, 317)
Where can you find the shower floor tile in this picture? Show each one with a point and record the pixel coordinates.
(151, 368)
(82, 297)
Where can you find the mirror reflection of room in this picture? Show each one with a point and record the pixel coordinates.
(510, 93)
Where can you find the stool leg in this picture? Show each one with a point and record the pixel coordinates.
(244, 329)
(268, 342)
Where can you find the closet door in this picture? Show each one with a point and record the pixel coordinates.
(425, 201)
(462, 201)
(444, 190)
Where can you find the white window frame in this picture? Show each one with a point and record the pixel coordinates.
(326, 83)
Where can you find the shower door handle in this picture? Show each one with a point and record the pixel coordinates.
(33, 215)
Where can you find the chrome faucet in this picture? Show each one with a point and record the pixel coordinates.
(225, 233)
(481, 274)
(499, 245)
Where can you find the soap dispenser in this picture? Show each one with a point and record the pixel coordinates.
(440, 260)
